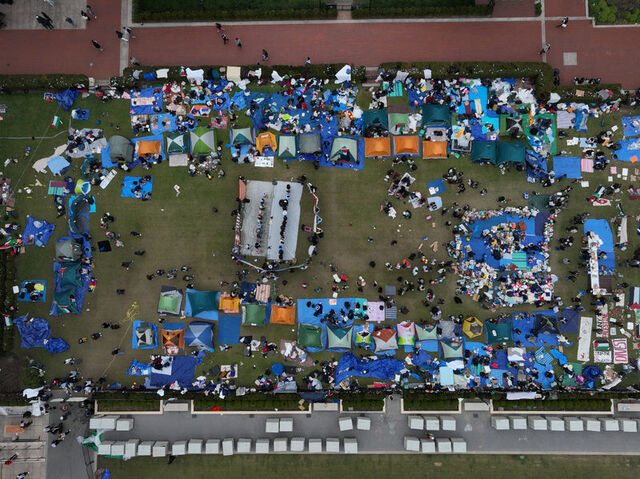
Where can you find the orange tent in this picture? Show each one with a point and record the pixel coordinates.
(228, 304)
(266, 140)
(434, 149)
(406, 145)
(149, 148)
(377, 147)
(172, 340)
(283, 314)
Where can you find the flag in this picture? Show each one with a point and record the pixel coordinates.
(56, 122)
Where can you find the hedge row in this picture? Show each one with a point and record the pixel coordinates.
(323, 71)
(425, 404)
(55, 82)
(404, 12)
(7, 299)
(249, 402)
(593, 404)
(128, 405)
(363, 401)
(229, 15)
(213, 5)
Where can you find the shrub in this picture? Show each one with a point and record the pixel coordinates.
(422, 11)
(56, 82)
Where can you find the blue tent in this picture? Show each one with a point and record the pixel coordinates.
(199, 335)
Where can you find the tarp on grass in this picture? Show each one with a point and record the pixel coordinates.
(181, 371)
(36, 333)
(384, 369)
(229, 329)
(37, 232)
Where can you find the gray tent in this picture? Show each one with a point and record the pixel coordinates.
(79, 215)
(310, 143)
(145, 336)
(69, 248)
(120, 149)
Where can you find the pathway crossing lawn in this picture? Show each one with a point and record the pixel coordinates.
(388, 466)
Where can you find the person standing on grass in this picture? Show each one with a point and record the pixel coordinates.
(97, 45)
(91, 12)
(84, 15)
(238, 43)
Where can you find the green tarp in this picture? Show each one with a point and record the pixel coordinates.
(254, 314)
(511, 152)
(498, 332)
(202, 141)
(483, 152)
(435, 114)
(310, 336)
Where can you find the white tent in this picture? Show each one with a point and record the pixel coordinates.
(262, 446)
(243, 446)
(444, 445)
(574, 424)
(431, 423)
(610, 424)
(592, 425)
(124, 424)
(556, 424)
(298, 444)
(315, 445)
(537, 423)
(179, 448)
(333, 445)
(117, 448)
(227, 447)
(363, 423)
(272, 425)
(144, 448)
(131, 447)
(280, 444)
(448, 423)
(500, 423)
(459, 445)
(428, 446)
(286, 424)
(194, 446)
(518, 423)
(411, 444)
(104, 448)
(416, 423)
(350, 445)
(212, 446)
(159, 449)
(628, 425)
(345, 423)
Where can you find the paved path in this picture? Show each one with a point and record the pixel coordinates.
(513, 34)
(387, 432)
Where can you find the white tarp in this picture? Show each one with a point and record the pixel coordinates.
(344, 74)
(584, 339)
(196, 75)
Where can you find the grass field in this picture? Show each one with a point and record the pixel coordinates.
(184, 230)
(393, 465)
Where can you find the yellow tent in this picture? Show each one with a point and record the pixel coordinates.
(472, 327)
(266, 140)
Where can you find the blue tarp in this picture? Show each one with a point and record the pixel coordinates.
(66, 98)
(631, 126)
(36, 333)
(383, 368)
(134, 338)
(144, 101)
(567, 165)
(536, 164)
(602, 229)
(138, 369)
(183, 370)
(581, 121)
(629, 149)
(129, 185)
(37, 232)
(229, 329)
(58, 165)
(33, 296)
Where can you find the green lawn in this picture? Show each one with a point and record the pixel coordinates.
(393, 465)
(184, 230)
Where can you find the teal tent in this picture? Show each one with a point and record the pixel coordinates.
(374, 121)
(344, 150)
(436, 114)
(451, 349)
(177, 143)
(483, 152)
(511, 152)
(426, 331)
(287, 149)
(339, 338)
(202, 141)
(498, 332)
(242, 136)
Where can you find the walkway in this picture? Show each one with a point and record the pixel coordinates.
(578, 50)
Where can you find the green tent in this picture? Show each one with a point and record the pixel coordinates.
(396, 119)
(120, 149)
(242, 136)
(426, 331)
(511, 152)
(483, 152)
(498, 332)
(201, 301)
(254, 314)
(344, 150)
(374, 119)
(310, 336)
(65, 301)
(436, 114)
(70, 274)
(451, 349)
(339, 338)
(202, 141)
(177, 143)
(170, 301)
(287, 149)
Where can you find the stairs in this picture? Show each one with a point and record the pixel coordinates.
(371, 73)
